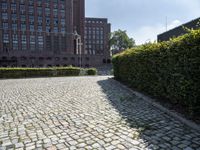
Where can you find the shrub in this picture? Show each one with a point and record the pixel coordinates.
(168, 70)
(92, 71)
(70, 71)
(38, 72)
(45, 72)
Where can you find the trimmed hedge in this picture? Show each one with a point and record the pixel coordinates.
(91, 71)
(168, 70)
(39, 72)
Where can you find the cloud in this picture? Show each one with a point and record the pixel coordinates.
(174, 24)
(149, 33)
(144, 19)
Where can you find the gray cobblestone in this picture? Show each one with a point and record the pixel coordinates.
(84, 113)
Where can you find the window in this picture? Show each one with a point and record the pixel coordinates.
(32, 39)
(62, 13)
(39, 2)
(39, 20)
(23, 27)
(4, 16)
(5, 38)
(63, 22)
(40, 28)
(47, 2)
(31, 19)
(32, 28)
(48, 20)
(31, 2)
(48, 29)
(39, 10)
(57, 58)
(41, 58)
(47, 11)
(31, 10)
(40, 42)
(22, 8)
(65, 58)
(5, 26)
(32, 42)
(14, 26)
(15, 46)
(62, 5)
(13, 6)
(23, 18)
(24, 42)
(55, 5)
(23, 58)
(15, 38)
(14, 17)
(40, 39)
(63, 30)
(49, 58)
(4, 6)
(55, 29)
(55, 22)
(15, 41)
(101, 37)
(23, 39)
(55, 12)
(22, 1)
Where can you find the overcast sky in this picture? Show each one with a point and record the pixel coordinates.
(144, 19)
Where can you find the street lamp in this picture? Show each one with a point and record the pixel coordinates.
(78, 46)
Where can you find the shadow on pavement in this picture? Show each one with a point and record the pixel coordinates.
(156, 129)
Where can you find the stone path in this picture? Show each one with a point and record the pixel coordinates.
(84, 113)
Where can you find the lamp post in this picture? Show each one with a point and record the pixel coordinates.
(78, 47)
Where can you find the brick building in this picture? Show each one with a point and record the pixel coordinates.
(178, 31)
(41, 33)
(97, 32)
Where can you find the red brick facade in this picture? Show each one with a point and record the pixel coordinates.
(38, 33)
(97, 32)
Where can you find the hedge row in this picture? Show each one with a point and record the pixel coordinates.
(168, 70)
(43, 72)
(91, 71)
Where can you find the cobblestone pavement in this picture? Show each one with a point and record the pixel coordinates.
(84, 113)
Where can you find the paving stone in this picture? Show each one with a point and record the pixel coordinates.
(19, 145)
(19, 149)
(115, 142)
(111, 147)
(188, 148)
(84, 113)
(96, 145)
(119, 146)
(73, 143)
(60, 146)
(30, 147)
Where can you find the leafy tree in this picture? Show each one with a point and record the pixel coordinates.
(119, 40)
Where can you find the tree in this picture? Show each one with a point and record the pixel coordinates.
(119, 41)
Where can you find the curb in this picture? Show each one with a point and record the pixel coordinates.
(167, 111)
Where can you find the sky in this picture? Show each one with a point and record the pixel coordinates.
(144, 19)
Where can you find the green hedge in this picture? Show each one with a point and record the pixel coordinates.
(91, 71)
(168, 70)
(40, 72)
